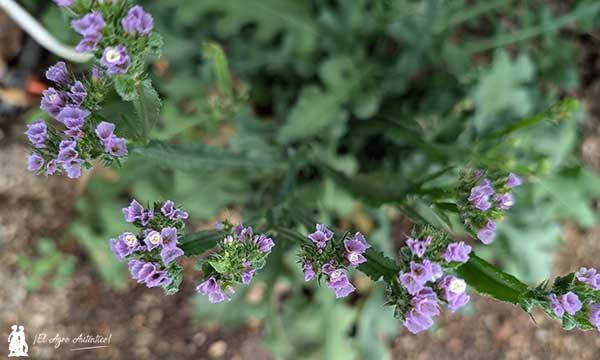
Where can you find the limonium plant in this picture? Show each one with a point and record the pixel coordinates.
(431, 272)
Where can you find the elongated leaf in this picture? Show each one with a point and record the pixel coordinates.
(490, 280)
(197, 243)
(378, 265)
(147, 106)
(189, 157)
(214, 52)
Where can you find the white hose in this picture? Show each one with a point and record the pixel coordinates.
(40, 34)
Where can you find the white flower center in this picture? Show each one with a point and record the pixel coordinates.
(154, 238)
(353, 257)
(336, 274)
(112, 56)
(53, 98)
(130, 239)
(458, 286)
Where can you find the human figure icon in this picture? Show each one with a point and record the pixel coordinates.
(17, 345)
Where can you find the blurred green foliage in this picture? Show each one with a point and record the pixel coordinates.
(356, 95)
(50, 266)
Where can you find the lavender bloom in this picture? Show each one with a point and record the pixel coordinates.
(67, 152)
(51, 167)
(78, 93)
(570, 302)
(247, 273)
(147, 216)
(73, 168)
(486, 236)
(416, 322)
(152, 239)
(58, 73)
(35, 162)
(115, 59)
(589, 276)
(338, 280)
(97, 74)
(480, 195)
(410, 282)
(167, 255)
(328, 268)
(513, 181)
(72, 117)
(416, 247)
(594, 315)
(133, 212)
(454, 292)
(426, 302)
(309, 273)
(490, 224)
(158, 278)
(321, 236)
(245, 234)
(89, 43)
(64, 3)
(37, 134)
(105, 131)
(134, 267)
(264, 243)
(457, 251)
(168, 209)
(354, 248)
(211, 287)
(168, 236)
(505, 201)
(90, 24)
(116, 146)
(145, 271)
(556, 306)
(52, 101)
(434, 269)
(124, 245)
(180, 214)
(138, 21)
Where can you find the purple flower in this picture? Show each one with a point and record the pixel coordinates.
(480, 194)
(64, 3)
(513, 181)
(116, 146)
(168, 209)
(146, 217)
(309, 273)
(37, 134)
(73, 168)
(321, 236)
(51, 167)
(58, 73)
(72, 117)
(328, 267)
(416, 247)
(354, 249)
(52, 101)
(589, 276)
(137, 21)
(426, 302)
(168, 255)
(486, 236)
(594, 315)
(124, 245)
(97, 74)
(211, 287)
(434, 269)
(169, 237)
(264, 243)
(105, 131)
(152, 239)
(158, 278)
(67, 152)
(505, 201)
(89, 43)
(145, 271)
(247, 273)
(90, 24)
(338, 280)
(115, 59)
(570, 302)
(457, 251)
(35, 162)
(416, 322)
(133, 212)
(454, 292)
(180, 214)
(412, 284)
(78, 93)
(490, 224)
(134, 267)
(556, 306)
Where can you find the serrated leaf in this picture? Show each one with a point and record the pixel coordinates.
(197, 243)
(126, 87)
(155, 44)
(378, 265)
(147, 106)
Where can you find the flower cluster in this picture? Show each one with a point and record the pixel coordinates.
(81, 135)
(326, 256)
(70, 143)
(236, 259)
(151, 254)
(425, 280)
(482, 202)
(575, 298)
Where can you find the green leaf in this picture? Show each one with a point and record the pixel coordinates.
(126, 88)
(197, 243)
(215, 53)
(378, 265)
(147, 106)
(198, 157)
(490, 280)
(155, 44)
